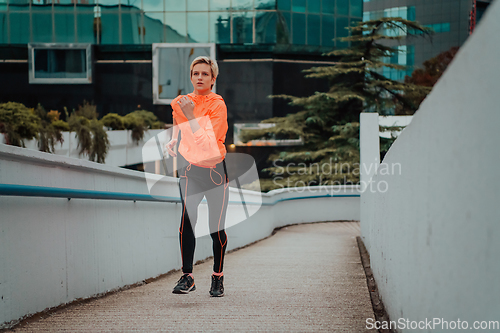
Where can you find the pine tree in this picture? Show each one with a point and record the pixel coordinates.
(328, 123)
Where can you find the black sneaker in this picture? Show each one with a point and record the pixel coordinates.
(184, 285)
(217, 289)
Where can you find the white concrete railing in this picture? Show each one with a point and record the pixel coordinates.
(433, 235)
(123, 149)
(55, 250)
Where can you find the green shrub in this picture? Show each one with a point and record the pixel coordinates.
(113, 121)
(18, 123)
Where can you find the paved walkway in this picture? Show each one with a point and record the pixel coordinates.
(305, 278)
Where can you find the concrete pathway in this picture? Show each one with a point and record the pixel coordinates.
(305, 278)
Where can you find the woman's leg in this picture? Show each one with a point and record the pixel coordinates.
(191, 196)
(217, 200)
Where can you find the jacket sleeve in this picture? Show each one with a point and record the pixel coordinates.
(218, 119)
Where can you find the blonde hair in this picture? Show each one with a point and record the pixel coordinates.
(205, 60)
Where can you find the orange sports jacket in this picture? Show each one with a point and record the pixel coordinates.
(205, 147)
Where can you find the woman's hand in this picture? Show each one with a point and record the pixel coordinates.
(187, 107)
(170, 147)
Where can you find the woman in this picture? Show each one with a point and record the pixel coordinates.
(201, 117)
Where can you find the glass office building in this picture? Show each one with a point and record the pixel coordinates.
(299, 22)
(262, 46)
(450, 20)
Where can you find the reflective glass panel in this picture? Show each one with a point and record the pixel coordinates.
(284, 4)
(342, 7)
(299, 29)
(3, 28)
(42, 27)
(176, 27)
(198, 27)
(283, 28)
(68, 64)
(109, 28)
(242, 28)
(314, 6)
(313, 29)
(327, 30)
(328, 7)
(220, 4)
(109, 2)
(154, 28)
(132, 3)
(357, 8)
(20, 27)
(130, 23)
(299, 6)
(220, 27)
(242, 4)
(265, 4)
(342, 24)
(265, 27)
(175, 5)
(197, 5)
(85, 27)
(65, 25)
(152, 5)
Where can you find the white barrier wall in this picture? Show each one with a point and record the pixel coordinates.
(123, 150)
(55, 250)
(433, 235)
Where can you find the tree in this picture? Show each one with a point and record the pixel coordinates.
(427, 77)
(328, 124)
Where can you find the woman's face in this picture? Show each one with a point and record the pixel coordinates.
(202, 79)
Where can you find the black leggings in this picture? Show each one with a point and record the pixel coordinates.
(196, 183)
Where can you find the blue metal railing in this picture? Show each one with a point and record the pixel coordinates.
(57, 192)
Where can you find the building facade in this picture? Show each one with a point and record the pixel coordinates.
(261, 47)
(451, 21)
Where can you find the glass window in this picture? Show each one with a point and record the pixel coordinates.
(198, 27)
(299, 29)
(130, 22)
(3, 28)
(314, 6)
(411, 13)
(65, 25)
(357, 8)
(299, 6)
(283, 28)
(175, 5)
(109, 2)
(313, 29)
(265, 27)
(197, 5)
(242, 28)
(131, 3)
(85, 27)
(59, 65)
(154, 28)
(284, 4)
(42, 27)
(241, 4)
(328, 30)
(265, 4)
(220, 27)
(342, 7)
(219, 4)
(154, 5)
(176, 27)
(328, 7)
(20, 28)
(342, 24)
(109, 26)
